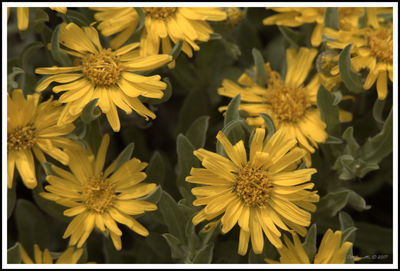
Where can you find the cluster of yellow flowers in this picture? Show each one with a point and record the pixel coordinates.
(262, 189)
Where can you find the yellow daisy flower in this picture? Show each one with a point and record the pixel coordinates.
(297, 16)
(291, 105)
(234, 16)
(259, 191)
(330, 251)
(103, 74)
(69, 256)
(162, 25)
(100, 198)
(23, 16)
(122, 20)
(31, 127)
(372, 49)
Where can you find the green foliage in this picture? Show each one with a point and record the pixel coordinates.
(351, 79)
(14, 254)
(331, 19)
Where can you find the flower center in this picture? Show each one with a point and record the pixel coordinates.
(21, 138)
(381, 44)
(288, 104)
(253, 186)
(102, 68)
(98, 194)
(159, 13)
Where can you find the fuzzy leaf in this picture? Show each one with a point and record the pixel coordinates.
(205, 254)
(56, 52)
(269, 123)
(11, 198)
(310, 241)
(197, 132)
(232, 111)
(156, 169)
(142, 18)
(261, 74)
(329, 111)
(351, 79)
(124, 156)
(172, 216)
(295, 38)
(14, 254)
(331, 19)
(90, 112)
(177, 252)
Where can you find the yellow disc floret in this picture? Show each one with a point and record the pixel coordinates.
(102, 68)
(252, 186)
(98, 194)
(159, 13)
(21, 138)
(381, 44)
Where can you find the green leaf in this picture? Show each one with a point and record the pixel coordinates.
(331, 19)
(351, 79)
(84, 258)
(77, 17)
(352, 146)
(177, 252)
(197, 132)
(215, 36)
(172, 216)
(348, 233)
(194, 106)
(186, 160)
(357, 202)
(345, 220)
(295, 38)
(27, 52)
(31, 226)
(373, 238)
(232, 111)
(261, 74)
(331, 204)
(310, 242)
(193, 241)
(58, 55)
(11, 198)
(269, 123)
(39, 18)
(176, 50)
(93, 135)
(381, 145)
(90, 112)
(363, 20)
(124, 156)
(11, 82)
(377, 110)
(333, 140)
(14, 254)
(231, 49)
(156, 169)
(329, 111)
(165, 97)
(142, 18)
(205, 254)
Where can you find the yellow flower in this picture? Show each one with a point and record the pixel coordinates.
(162, 25)
(69, 256)
(31, 127)
(59, 9)
(259, 191)
(23, 16)
(297, 16)
(291, 105)
(100, 198)
(330, 251)
(234, 15)
(103, 74)
(372, 49)
(122, 20)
